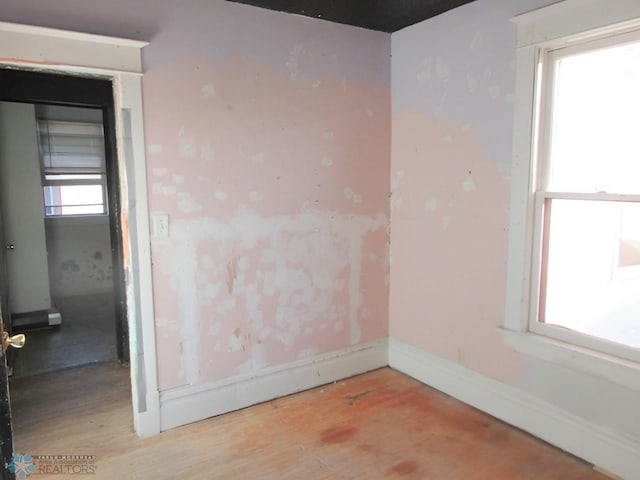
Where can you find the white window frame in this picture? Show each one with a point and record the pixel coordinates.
(552, 27)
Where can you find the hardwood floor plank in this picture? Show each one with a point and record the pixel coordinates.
(378, 425)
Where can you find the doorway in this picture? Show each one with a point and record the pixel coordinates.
(34, 97)
(118, 62)
(54, 201)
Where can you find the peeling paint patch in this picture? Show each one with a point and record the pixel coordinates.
(315, 84)
(160, 171)
(221, 195)
(154, 148)
(328, 135)
(368, 112)
(431, 204)
(178, 178)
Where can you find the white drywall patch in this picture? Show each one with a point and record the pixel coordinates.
(328, 135)
(154, 148)
(188, 147)
(423, 77)
(256, 196)
(187, 204)
(177, 178)
(474, 45)
(208, 90)
(302, 268)
(469, 185)
(472, 84)
(396, 202)
(221, 195)
(396, 179)
(351, 195)
(207, 153)
(326, 162)
(442, 70)
(494, 91)
(159, 171)
(431, 204)
(257, 159)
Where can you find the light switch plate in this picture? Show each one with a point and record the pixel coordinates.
(160, 225)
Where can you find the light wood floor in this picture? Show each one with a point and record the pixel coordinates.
(378, 425)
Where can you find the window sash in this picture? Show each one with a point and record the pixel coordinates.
(537, 286)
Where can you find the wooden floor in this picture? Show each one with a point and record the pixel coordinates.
(378, 425)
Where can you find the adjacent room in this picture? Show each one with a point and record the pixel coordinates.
(322, 239)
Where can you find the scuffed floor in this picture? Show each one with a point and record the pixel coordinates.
(378, 425)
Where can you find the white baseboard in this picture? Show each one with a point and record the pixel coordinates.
(609, 450)
(190, 404)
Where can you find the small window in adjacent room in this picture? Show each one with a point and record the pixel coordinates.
(73, 168)
(586, 246)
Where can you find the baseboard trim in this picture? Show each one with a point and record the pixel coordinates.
(609, 450)
(185, 405)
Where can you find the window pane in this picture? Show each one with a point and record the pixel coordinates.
(593, 269)
(595, 145)
(73, 200)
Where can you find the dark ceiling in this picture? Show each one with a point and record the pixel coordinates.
(382, 15)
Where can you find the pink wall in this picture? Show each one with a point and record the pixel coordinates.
(268, 144)
(453, 82)
(276, 191)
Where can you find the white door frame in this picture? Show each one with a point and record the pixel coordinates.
(119, 60)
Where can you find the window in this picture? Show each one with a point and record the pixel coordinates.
(587, 195)
(574, 237)
(73, 168)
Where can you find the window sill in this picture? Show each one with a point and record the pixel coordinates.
(608, 367)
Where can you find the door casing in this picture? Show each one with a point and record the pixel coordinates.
(119, 61)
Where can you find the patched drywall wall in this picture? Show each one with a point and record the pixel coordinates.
(275, 186)
(453, 81)
(268, 145)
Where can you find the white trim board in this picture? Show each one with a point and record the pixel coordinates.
(602, 447)
(55, 49)
(189, 404)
